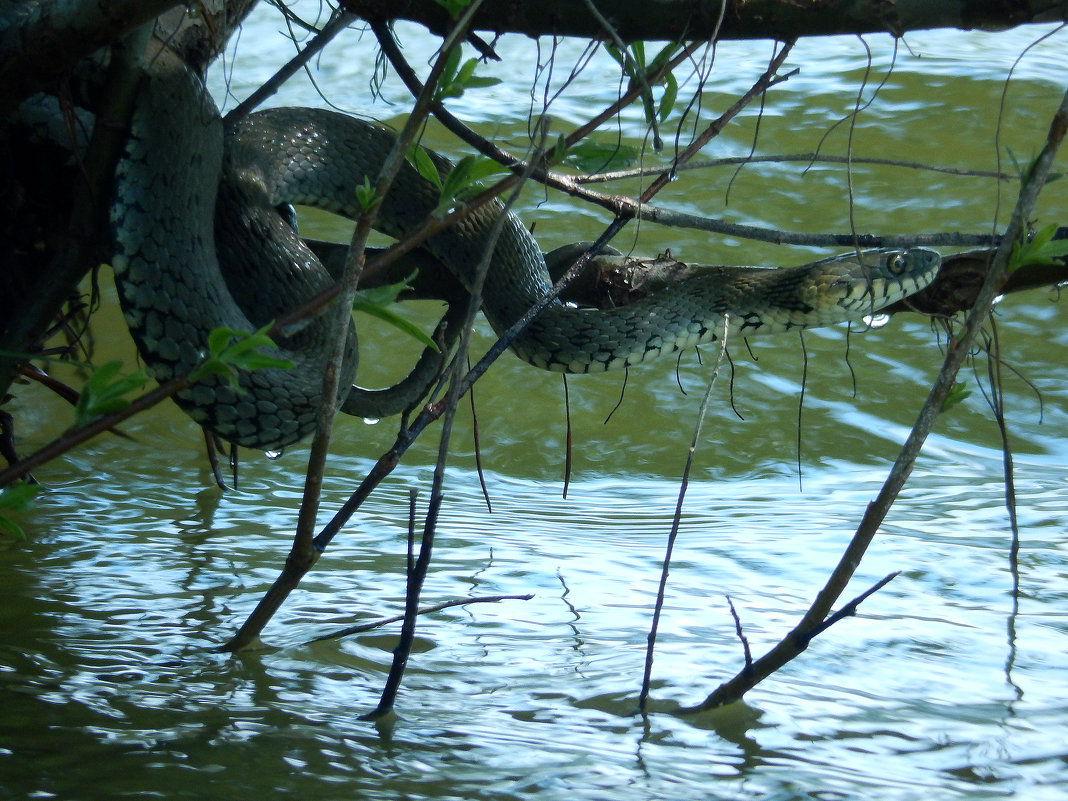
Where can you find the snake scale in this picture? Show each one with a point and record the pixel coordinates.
(199, 245)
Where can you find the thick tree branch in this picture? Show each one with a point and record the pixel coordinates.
(675, 20)
(57, 216)
(41, 42)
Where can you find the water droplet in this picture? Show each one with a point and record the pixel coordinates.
(371, 421)
(876, 321)
(274, 454)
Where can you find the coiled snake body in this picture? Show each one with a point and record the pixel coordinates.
(191, 210)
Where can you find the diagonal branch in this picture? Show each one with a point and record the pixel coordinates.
(814, 619)
(305, 552)
(337, 23)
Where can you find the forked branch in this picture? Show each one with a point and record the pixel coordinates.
(815, 619)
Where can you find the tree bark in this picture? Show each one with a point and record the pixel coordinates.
(41, 42)
(686, 20)
(54, 216)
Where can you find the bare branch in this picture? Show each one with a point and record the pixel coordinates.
(41, 42)
(676, 520)
(785, 158)
(959, 349)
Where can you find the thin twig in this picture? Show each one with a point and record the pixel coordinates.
(786, 158)
(417, 575)
(476, 441)
(747, 653)
(568, 436)
(676, 520)
(338, 22)
(996, 401)
(850, 609)
(305, 550)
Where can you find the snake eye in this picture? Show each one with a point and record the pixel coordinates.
(896, 263)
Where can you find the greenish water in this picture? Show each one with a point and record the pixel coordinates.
(943, 686)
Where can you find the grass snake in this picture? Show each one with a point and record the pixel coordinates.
(199, 245)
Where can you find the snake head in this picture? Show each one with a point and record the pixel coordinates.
(885, 276)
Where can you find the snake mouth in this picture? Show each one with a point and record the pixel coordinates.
(877, 294)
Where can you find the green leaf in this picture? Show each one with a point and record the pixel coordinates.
(397, 321)
(377, 303)
(464, 179)
(466, 72)
(665, 55)
(456, 78)
(386, 294)
(481, 81)
(231, 351)
(591, 156)
(558, 152)
(1040, 248)
(624, 59)
(1023, 170)
(424, 165)
(956, 394)
(637, 50)
(640, 71)
(16, 498)
(104, 392)
(365, 194)
(447, 86)
(671, 93)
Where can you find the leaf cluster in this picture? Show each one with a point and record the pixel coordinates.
(457, 78)
(642, 75)
(378, 302)
(231, 351)
(460, 183)
(105, 392)
(957, 394)
(1039, 248)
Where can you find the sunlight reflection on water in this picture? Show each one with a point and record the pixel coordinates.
(488, 679)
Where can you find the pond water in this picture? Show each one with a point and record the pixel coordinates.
(946, 684)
